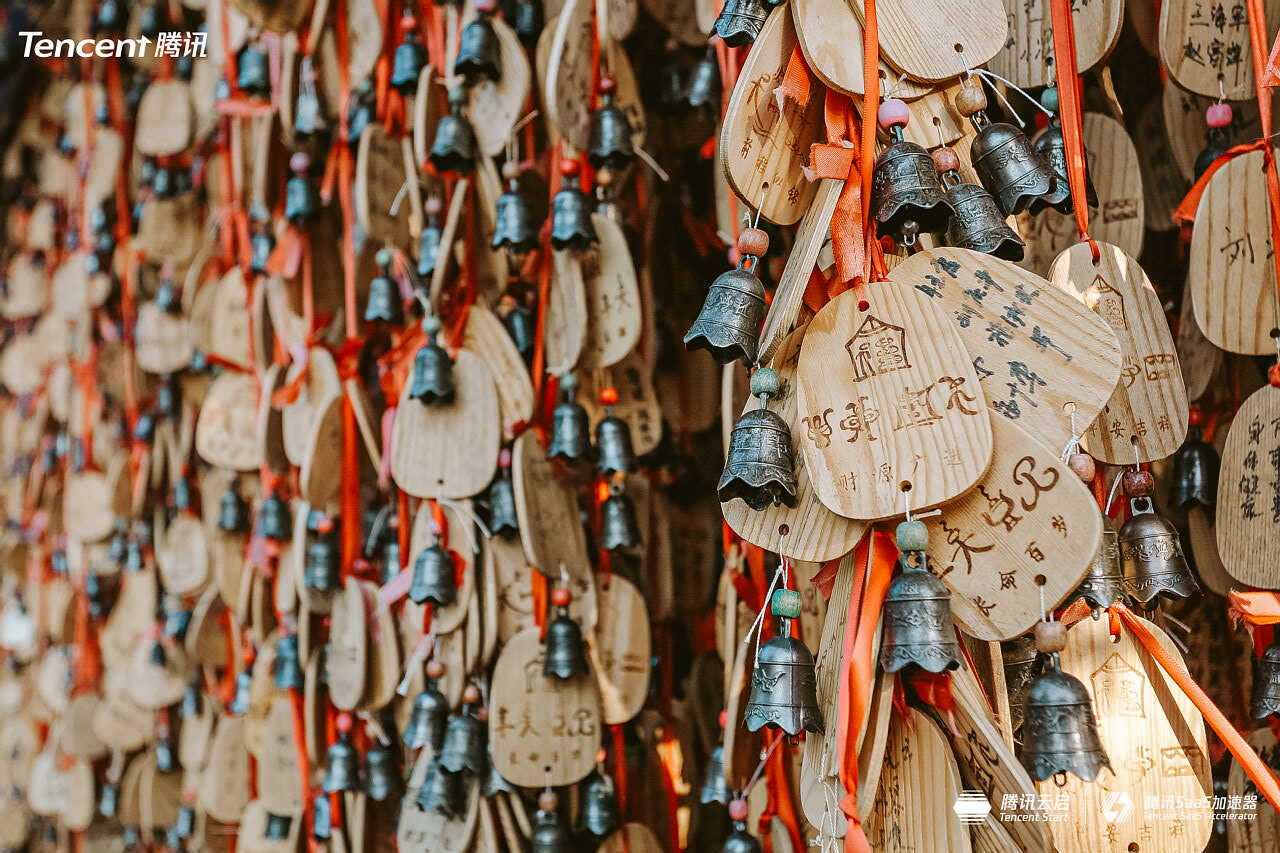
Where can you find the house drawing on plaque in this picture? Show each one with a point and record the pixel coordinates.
(1108, 303)
(876, 348)
(1118, 689)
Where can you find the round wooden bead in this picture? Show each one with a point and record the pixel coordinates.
(786, 603)
(913, 536)
(604, 178)
(547, 801)
(560, 597)
(1138, 483)
(435, 669)
(470, 694)
(946, 160)
(343, 723)
(569, 167)
(299, 162)
(893, 111)
(607, 85)
(1051, 637)
(1218, 115)
(609, 396)
(738, 810)
(753, 241)
(434, 205)
(1195, 417)
(510, 170)
(971, 100)
(1082, 465)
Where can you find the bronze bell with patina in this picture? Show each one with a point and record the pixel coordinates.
(233, 511)
(287, 667)
(430, 713)
(618, 526)
(760, 468)
(321, 570)
(521, 326)
(715, 788)
(442, 791)
(609, 144)
(261, 240)
(1265, 700)
(382, 775)
(918, 628)
(564, 655)
(740, 840)
(514, 229)
(1150, 548)
(342, 764)
(454, 149)
(503, 521)
(384, 305)
(1051, 144)
(307, 117)
(435, 577)
(277, 828)
(1195, 468)
(976, 223)
(740, 21)
(479, 52)
(466, 740)
(570, 426)
(239, 703)
(252, 75)
(704, 82)
(571, 226)
(598, 808)
(275, 518)
(299, 195)
(1059, 732)
(784, 685)
(614, 453)
(1015, 173)
(906, 196)
(429, 239)
(1104, 584)
(432, 369)
(549, 835)
(729, 324)
(409, 59)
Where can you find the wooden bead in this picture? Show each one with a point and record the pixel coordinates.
(433, 205)
(510, 170)
(971, 100)
(560, 597)
(1051, 637)
(547, 801)
(1082, 465)
(1138, 483)
(753, 241)
(1218, 115)
(470, 694)
(893, 112)
(946, 160)
(435, 669)
(738, 810)
(609, 396)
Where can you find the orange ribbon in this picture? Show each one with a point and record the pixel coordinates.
(1071, 114)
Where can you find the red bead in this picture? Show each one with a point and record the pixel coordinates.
(435, 669)
(482, 714)
(609, 396)
(1138, 483)
(945, 160)
(1195, 417)
(1218, 115)
(560, 597)
(299, 162)
(408, 23)
(325, 526)
(753, 241)
(433, 205)
(893, 111)
(569, 167)
(1273, 375)
(607, 85)
(343, 723)
(724, 718)
(738, 810)
(504, 458)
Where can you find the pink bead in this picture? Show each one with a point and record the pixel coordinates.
(1218, 115)
(893, 111)
(299, 162)
(504, 458)
(738, 810)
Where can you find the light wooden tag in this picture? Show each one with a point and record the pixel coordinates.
(917, 790)
(121, 724)
(637, 404)
(810, 531)
(1258, 833)
(619, 650)
(912, 40)
(820, 769)
(639, 839)
(1147, 411)
(278, 776)
(1155, 739)
(759, 142)
(1231, 274)
(511, 584)
(612, 297)
(1029, 520)
(159, 796)
(348, 646)
(298, 419)
(183, 556)
(224, 782)
(428, 105)
(26, 294)
(1248, 485)
(88, 507)
(1035, 350)
(229, 317)
(366, 25)
(195, 736)
(550, 524)
(565, 325)
(495, 107)
(1204, 550)
(80, 805)
(384, 668)
(542, 730)
(163, 125)
(78, 736)
(830, 35)
(251, 835)
(1198, 359)
(1027, 57)
(1206, 49)
(908, 407)
(320, 478)
(379, 176)
(153, 686)
(163, 340)
(262, 694)
(423, 830)
(226, 432)
(487, 337)
(47, 785)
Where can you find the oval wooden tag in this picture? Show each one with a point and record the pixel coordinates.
(163, 340)
(87, 506)
(495, 107)
(912, 40)
(157, 686)
(78, 736)
(759, 142)
(423, 830)
(830, 34)
(688, 23)
(1258, 833)
(448, 450)
(348, 646)
(320, 479)
(121, 724)
(1249, 492)
(1231, 274)
(1155, 738)
(1203, 540)
(1184, 114)
(379, 177)
(550, 524)
(1198, 359)
(488, 338)
(910, 409)
(542, 730)
(810, 531)
(460, 539)
(278, 775)
(163, 125)
(183, 556)
(298, 418)
(226, 431)
(383, 671)
(620, 650)
(1147, 411)
(1206, 49)
(638, 839)
(1027, 57)
(612, 297)
(224, 782)
(567, 91)
(47, 787)
(638, 403)
(565, 324)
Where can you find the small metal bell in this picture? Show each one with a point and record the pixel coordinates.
(618, 526)
(192, 700)
(598, 809)
(432, 369)
(1216, 143)
(1059, 733)
(672, 98)
(918, 628)
(240, 699)
(740, 21)
(435, 577)
(322, 818)
(1195, 469)
(609, 144)
(614, 454)
(454, 149)
(134, 560)
(525, 17)
(514, 229)
(430, 714)
(729, 324)
(1266, 684)
(429, 239)
(260, 239)
(1104, 585)
(570, 427)
(1150, 549)
(306, 113)
(1053, 147)
(342, 765)
(233, 511)
(1019, 657)
(287, 669)
(564, 655)
(479, 52)
(1013, 172)
(784, 686)
(760, 469)
(906, 196)
(253, 77)
(571, 226)
(299, 196)
(409, 58)
(715, 788)
(276, 519)
(465, 746)
(704, 82)
(548, 834)
(361, 112)
(976, 223)
(740, 840)
(382, 777)
(384, 303)
(442, 791)
(503, 521)
(168, 398)
(108, 19)
(107, 802)
(322, 569)
(277, 828)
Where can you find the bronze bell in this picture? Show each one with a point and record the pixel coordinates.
(275, 518)
(186, 823)
(672, 98)
(1051, 145)
(1195, 470)
(253, 77)
(384, 303)
(432, 369)
(454, 149)
(322, 817)
(1216, 143)
(240, 698)
(361, 112)
(342, 765)
(618, 526)
(740, 21)
(760, 469)
(299, 197)
(167, 295)
(570, 427)
(740, 841)
(571, 226)
(382, 776)
(1266, 684)
(1059, 733)
(704, 82)
(492, 782)
(306, 112)
(609, 144)
(548, 835)
(261, 241)
(287, 669)
(410, 56)
(729, 324)
(598, 809)
(976, 223)
(321, 571)
(715, 788)
(906, 196)
(429, 239)
(515, 230)
(918, 628)
(502, 501)
(232, 511)
(479, 53)
(784, 686)
(428, 719)
(564, 655)
(107, 802)
(614, 454)
(277, 828)
(1151, 556)
(465, 746)
(522, 329)
(525, 17)
(442, 791)
(435, 577)
(1015, 173)
(1104, 585)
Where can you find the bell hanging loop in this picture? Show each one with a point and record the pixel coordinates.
(570, 426)
(729, 324)
(455, 149)
(906, 195)
(1015, 174)
(976, 223)
(760, 468)
(565, 653)
(1150, 547)
(784, 685)
(432, 369)
(571, 226)
(609, 143)
(918, 628)
(479, 52)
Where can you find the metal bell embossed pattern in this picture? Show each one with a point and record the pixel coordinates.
(609, 143)
(428, 718)
(784, 688)
(1265, 700)
(1059, 733)
(618, 525)
(432, 369)
(435, 578)
(454, 148)
(1015, 173)
(906, 195)
(565, 655)
(1151, 556)
(1051, 145)
(570, 426)
(442, 791)
(382, 776)
(571, 226)
(465, 747)
(740, 21)
(918, 628)
(1195, 472)
(598, 812)
(729, 324)
(760, 468)
(1104, 585)
(977, 223)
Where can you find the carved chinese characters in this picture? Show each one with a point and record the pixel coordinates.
(1204, 45)
(1027, 57)
(542, 731)
(1147, 412)
(612, 296)
(1035, 349)
(1029, 524)
(620, 650)
(889, 401)
(1249, 492)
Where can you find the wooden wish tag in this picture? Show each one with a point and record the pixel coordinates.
(830, 34)
(183, 556)
(1206, 48)
(88, 506)
(809, 531)
(1026, 58)
(224, 781)
(380, 177)
(299, 418)
(1155, 739)
(157, 684)
(1184, 120)
(163, 340)
(1036, 350)
(495, 107)
(638, 405)
(764, 147)
(543, 730)
(227, 429)
(565, 325)
(279, 785)
(163, 125)
(1198, 359)
(1231, 273)
(612, 297)
(1147, 412)
(1249, 492)
(252, 835)
(567, 89)
(619, 650)
(429, 830)
(448, 450)
(633, 838)
(487, 337)
(933, 41)
(909, 413)
(1021, 541)
(348, 646)
(1252, 824)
